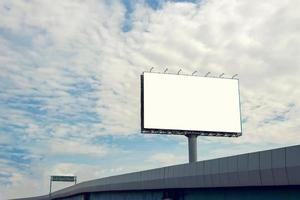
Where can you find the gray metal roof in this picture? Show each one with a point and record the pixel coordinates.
(277, 167)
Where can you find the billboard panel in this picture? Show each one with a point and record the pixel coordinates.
(63, 178)
(180, 104)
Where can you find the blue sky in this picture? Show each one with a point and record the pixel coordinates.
(130, 6)
(69, 82)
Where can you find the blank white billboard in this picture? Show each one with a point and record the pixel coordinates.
(190, 103)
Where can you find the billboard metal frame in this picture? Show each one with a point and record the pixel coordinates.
(61, 179)
(185, 132)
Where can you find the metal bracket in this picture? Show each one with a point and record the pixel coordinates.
(207, 74)
(234, 76)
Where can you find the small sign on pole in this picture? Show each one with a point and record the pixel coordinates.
(62, 179)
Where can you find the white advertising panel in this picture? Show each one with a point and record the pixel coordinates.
(190, 103)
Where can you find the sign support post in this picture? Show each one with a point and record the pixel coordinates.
(50, 186)
(192, 143)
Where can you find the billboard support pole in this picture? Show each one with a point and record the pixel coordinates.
(192, 143)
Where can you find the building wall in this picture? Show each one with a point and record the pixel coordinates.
(77, 197)
(244, 194)
(249, 193)
(133, 195)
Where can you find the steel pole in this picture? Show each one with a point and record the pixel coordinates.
(192, 142)
(50, 186)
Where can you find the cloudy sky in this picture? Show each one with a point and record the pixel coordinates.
(69, 82)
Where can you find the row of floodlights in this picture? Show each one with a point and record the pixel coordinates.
(195, 72)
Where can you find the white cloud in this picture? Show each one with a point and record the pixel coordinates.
(76, 147)
(219, 36)
(16, 180)
(166, 159)
(5, 139)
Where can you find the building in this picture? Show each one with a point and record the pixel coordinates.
(272, 174)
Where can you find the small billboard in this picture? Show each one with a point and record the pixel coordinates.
(64, 178)
(186, 104)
